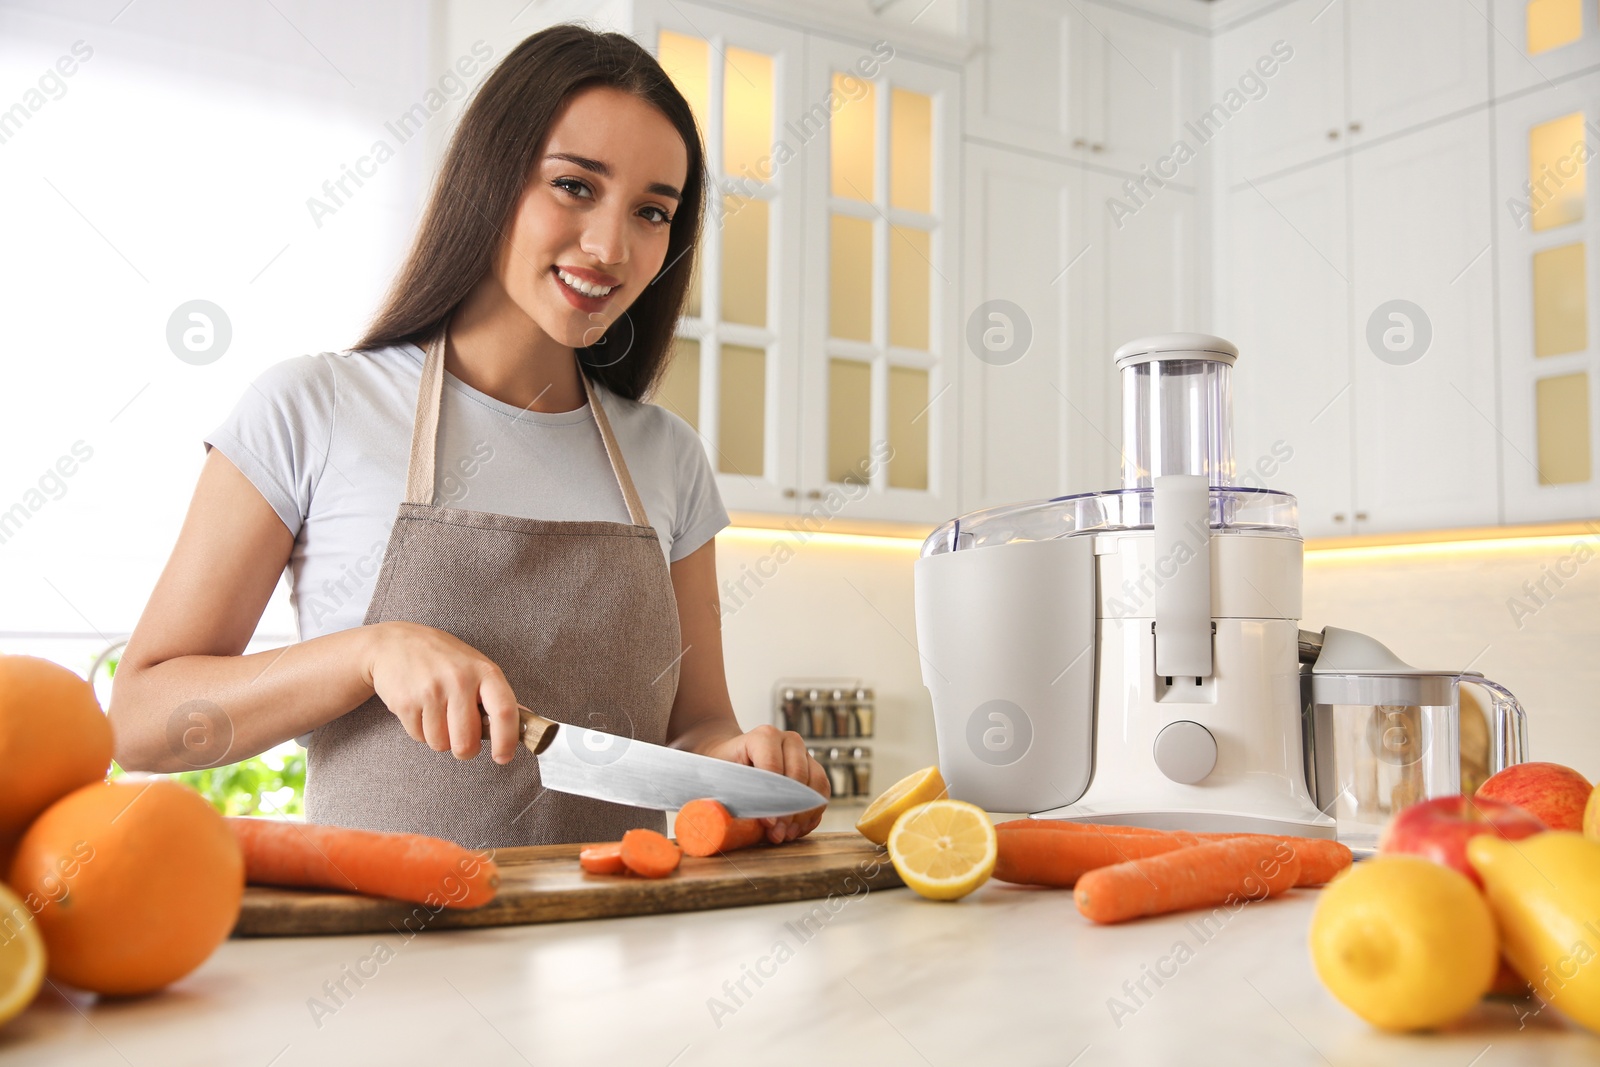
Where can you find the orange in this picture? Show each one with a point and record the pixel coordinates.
(53, 739)
(134, 884)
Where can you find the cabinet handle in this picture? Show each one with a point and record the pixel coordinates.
(1333, 135)
(1079, 142)
(1355, 127)
(1338, 516)
(1361, 516)
(788, 494)
(813, 494)
(1097, 148)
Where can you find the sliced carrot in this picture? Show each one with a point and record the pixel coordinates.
(1031, 857)
(1198, 876)
(650, 854)
(704, 828)
(414, 867)
(603, 858)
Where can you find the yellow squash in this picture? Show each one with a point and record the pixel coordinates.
(1545, 893)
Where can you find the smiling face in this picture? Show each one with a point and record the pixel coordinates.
(596, 209)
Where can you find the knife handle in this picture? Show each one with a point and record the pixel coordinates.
(534, 730)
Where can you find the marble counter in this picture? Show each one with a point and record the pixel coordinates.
(1009, 975)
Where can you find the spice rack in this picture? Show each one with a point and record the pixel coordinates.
(837, 714)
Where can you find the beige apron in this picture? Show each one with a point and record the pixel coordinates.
(580, 616)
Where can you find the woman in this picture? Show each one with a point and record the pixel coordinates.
(474, 504)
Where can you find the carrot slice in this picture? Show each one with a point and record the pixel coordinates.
(1217, 872)
(650, 854)
(603, 858)
(414, 867)
(1031, 857)
(704, 828)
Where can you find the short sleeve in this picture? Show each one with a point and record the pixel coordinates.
(278, 434)
(700, 511)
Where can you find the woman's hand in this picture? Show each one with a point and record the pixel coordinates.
(784, 752)
(433, 683)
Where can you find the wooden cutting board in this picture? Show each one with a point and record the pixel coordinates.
(543, 883)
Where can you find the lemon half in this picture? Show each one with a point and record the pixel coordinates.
(919, 788)
(943, 849)
(21, 956)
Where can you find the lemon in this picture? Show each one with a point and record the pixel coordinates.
(943, 849)
(21, 956)
(876, 822)
(1405, 943)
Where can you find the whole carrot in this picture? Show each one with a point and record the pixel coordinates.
(414, 867)
(1032, 857)
(1079, 827)
(1320, 858)
(1197, 876)
(705, 828)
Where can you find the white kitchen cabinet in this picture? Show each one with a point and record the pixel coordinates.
(1538, 42)
(1284, 286)
(1549, 300)
(737, 366)
(1357, 70)
(1286, 73)
(1082, 81)
(1425, 442)
(878, 406)
(1033, 393)
(1138, 85)
(1053, 263)
(816, 358)
(1411, 62)
(1022, 84)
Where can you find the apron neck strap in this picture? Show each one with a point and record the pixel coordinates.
(425, 435)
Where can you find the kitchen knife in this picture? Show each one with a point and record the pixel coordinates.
(623, 770)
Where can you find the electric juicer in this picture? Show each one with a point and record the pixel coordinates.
(1134, 655)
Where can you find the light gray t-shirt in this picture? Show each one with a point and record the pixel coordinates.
(325, 439)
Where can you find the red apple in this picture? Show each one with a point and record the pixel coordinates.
(1439, 829)
(1553, 794)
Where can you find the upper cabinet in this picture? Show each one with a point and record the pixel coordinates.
(816, 360)
(1083, 82)
(878, 402)
(735, 372)
(1305, 80)
(1539, 42)
(1548, 230)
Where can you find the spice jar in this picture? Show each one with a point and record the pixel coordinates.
(861, 770)
(863, 712)
(817, 714)
(793, 711)
(841, 776)
(843, 714)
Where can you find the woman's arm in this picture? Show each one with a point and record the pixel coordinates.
(702, 714)
(184, 697)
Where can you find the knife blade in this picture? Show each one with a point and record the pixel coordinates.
(625, 770)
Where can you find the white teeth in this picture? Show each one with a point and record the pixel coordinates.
(586, 288)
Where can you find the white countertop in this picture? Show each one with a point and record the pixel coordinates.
(1009, 975)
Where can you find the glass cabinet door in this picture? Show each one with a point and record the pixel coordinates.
(880, 413)
(1548, 230)
(735, 374)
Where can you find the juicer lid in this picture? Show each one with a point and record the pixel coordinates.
(1202, 346)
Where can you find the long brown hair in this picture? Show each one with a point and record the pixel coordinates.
(481, 180)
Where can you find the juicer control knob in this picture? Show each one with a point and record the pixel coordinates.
(1185, 752)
